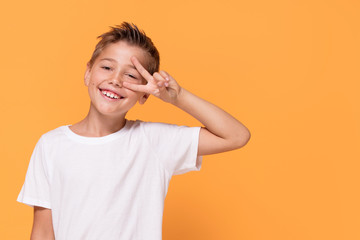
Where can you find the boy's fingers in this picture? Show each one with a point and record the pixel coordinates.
(141, 69)
(161, 82)
(165, 75)
(158, 77)
(143, 88)
(136, 87)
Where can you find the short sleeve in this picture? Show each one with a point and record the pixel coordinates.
(36, 190)
(176, 146)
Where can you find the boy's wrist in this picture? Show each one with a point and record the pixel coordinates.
(179, 97)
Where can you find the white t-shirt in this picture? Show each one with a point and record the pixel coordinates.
(110, 187)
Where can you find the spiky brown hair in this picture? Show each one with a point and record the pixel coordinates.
(131, 34)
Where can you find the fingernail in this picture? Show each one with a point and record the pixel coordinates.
(166, 84)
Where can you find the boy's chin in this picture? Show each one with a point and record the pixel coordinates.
(111, 113)
(114, 115)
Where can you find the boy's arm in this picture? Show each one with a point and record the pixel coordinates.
(42, 225)
(222, 132)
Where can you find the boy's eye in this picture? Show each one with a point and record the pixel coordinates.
(131, 76)
(106, 67)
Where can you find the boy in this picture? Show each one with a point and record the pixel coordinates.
(106, 177)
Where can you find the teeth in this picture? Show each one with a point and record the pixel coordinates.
(111, 95)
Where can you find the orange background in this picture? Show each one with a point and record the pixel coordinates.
(288, 70)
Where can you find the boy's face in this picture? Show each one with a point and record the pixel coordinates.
(110, 69)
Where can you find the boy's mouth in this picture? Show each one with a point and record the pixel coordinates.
(110, 95)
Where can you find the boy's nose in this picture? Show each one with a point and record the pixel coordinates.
(116, 80)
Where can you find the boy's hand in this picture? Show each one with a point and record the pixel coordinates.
(160, 84)
(222, 132)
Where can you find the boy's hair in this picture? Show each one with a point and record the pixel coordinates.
(132, 35)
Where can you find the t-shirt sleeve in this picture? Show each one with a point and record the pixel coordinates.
(36, 190)
(175, 146)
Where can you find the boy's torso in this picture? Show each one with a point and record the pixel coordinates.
(127, 187)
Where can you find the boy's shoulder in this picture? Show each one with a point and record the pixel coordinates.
(155, 125)
(150, 124)
(56, 134)
(53, 133)
(63, 130)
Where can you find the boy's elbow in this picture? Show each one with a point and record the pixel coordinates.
(242, 139)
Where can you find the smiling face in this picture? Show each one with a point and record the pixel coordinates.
(104, 80)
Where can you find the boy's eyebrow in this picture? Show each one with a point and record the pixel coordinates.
(113, 60)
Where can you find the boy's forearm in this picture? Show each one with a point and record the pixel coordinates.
(215, 119)
(42, 235)
(42, 238)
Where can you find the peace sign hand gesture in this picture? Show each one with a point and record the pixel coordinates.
(160, 84)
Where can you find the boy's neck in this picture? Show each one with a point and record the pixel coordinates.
(98, 125)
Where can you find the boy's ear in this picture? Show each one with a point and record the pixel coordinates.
(143, 98)
(87, 74)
